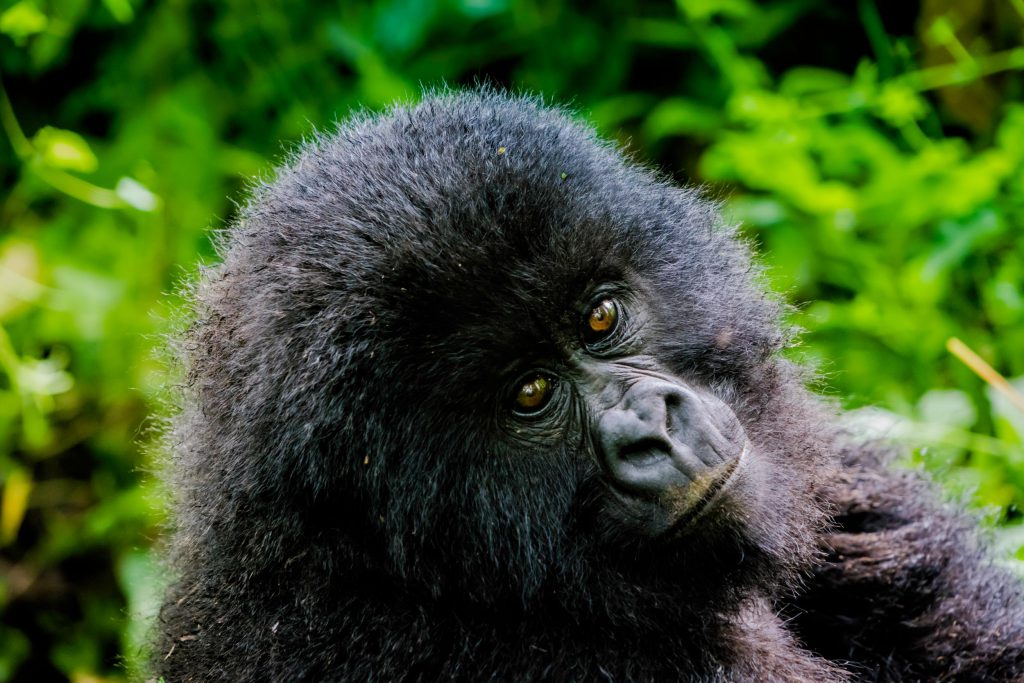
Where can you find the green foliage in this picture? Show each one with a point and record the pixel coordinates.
(874, 150)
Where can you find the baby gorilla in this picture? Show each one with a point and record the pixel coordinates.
(472, 397)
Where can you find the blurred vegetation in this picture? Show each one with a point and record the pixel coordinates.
(874, 149)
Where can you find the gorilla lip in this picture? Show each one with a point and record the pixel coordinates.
(701, 495)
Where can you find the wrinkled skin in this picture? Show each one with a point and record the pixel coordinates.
(471, 397)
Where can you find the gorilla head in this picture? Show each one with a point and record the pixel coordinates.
(469, 354)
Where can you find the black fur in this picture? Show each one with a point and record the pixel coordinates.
(351, 504)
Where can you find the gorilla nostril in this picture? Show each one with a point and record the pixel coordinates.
(644, 452)
(673, 400)
(673, 411)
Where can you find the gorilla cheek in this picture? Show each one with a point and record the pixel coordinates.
(673, 445)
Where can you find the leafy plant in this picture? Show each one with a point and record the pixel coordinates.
(874, 151)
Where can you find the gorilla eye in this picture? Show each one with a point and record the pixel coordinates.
(601, 320)
(533, 395)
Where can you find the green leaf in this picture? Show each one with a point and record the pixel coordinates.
(45, 377)
(64, 149)
(801, 81)
(678, 116)
(947, 407)
(1008, 417)
(142, 581)
(137, 195)
(16, 489)
(14, 647)
(120, 9)
(898, 104)
(23, 20)
(706, 9)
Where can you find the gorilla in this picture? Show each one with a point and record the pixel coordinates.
(472, 396)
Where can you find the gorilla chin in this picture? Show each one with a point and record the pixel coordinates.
(471, 396)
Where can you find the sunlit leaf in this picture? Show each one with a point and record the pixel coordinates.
(947, 407)
(679, 116)
(15, 489)
(142, 581)
(137, 195)
(44, 377)
(120, 9)
(705, 9)
(1009, 417)
(805, 80)
(899, 104)
(19, 274)
(64, 149)
(22, 20)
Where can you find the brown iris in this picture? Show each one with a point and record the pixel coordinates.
(602, 319)
(533, 394)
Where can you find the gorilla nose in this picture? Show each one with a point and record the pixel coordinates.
(662, 435)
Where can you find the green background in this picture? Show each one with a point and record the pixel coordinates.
(873, 150)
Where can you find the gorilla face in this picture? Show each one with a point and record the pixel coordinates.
(504, 363)
(666, 450)
(565, 411)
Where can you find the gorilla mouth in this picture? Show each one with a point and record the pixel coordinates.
(699, 497)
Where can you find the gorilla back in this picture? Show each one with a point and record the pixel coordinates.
(473, 397)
